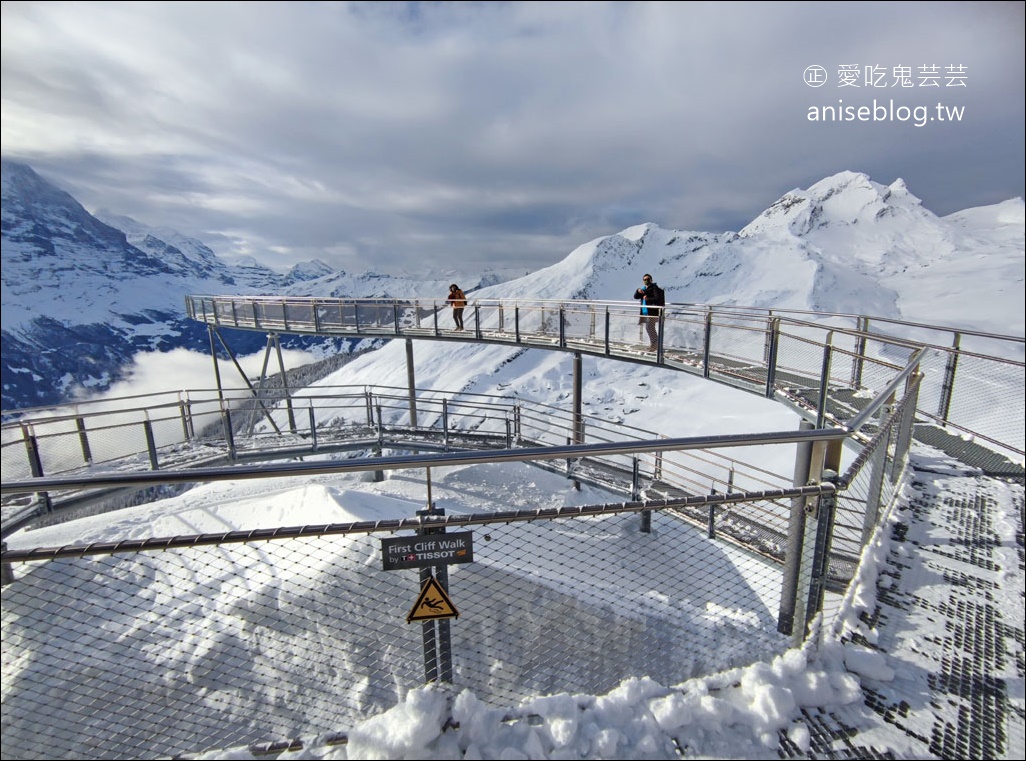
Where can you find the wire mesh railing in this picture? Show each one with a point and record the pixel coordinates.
(170, 650)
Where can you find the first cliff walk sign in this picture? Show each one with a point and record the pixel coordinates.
(423, 551)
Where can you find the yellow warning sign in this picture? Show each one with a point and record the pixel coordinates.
(432, 603)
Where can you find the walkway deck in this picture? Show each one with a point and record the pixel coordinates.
(950, 618)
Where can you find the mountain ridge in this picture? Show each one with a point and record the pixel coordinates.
(82, 294)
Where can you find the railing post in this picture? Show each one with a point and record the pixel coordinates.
(445, 423)
(661, 319)
(477, 321)
(795, 537)
(578, 417)
(635, 480)
(368, 401)
(411, 384)
(379, 475)
(32, 451)
(824, 379)
(948, 387)
(516, 322)
(578, 383)
(151, 444)
(313, 428)
(825, 513)
(591, 326)
(646, 515)
(607, 332)
(858, 361)
(817, 537)
(772, 346)
(229, 434)
(502, 319)
(185, 410)
(707, 348)
(35, 463)
(83, 439)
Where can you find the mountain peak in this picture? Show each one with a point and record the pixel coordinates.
(311, 270)
(843, 199)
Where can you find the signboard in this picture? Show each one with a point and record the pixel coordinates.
(432, 603)
(423, 550)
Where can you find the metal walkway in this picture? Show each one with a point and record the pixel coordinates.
(950, 619)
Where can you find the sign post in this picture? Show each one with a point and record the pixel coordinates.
(431, 548)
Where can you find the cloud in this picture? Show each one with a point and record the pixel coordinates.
(395, 135)
(160, 372)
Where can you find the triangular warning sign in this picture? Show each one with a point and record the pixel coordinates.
(432, 603)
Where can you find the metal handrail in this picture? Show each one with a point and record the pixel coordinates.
(524, 454)
(771, 329)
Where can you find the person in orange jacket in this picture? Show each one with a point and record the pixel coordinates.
(458, 301)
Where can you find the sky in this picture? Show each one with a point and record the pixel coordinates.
(734, 713)
(412, 136)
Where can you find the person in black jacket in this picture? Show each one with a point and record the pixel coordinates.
(652, 299)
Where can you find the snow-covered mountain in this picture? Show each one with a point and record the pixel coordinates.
(84, 293)
(81, 295)
(846, 245)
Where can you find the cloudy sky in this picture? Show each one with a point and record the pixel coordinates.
(433, 136)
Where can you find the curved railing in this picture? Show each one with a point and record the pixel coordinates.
(973, 381)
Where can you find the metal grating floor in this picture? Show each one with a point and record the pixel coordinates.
(950, 620)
